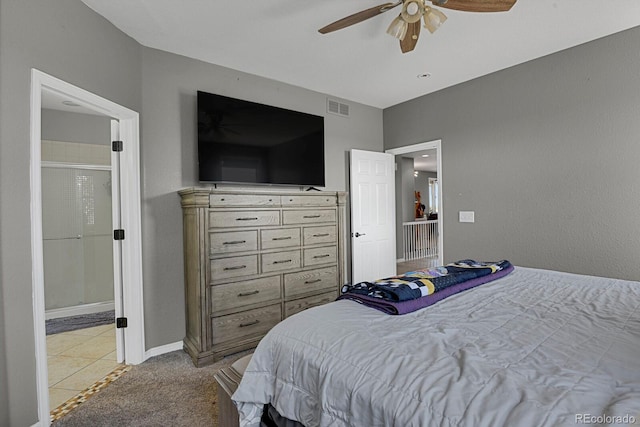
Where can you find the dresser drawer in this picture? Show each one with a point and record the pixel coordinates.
(231, 296)
(280, 261)
(311, 216)
(323, 255)
(315, 235)
(308, 200)
(246, 218)
(234, 327)
(234, 241)
(304, 282)
(296, 306)
(226, 268)
(272, 239)
(233, 200)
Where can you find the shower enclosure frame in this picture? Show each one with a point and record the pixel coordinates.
(85, 308)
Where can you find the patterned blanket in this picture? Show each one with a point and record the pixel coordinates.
(404, 307)
(421, 283)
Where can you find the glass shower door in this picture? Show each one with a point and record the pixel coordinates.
(78, 240)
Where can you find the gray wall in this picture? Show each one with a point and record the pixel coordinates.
(67, 40)
(546, 154)
(75, 127)
(405, 198)
(4, 390)
(169, 160)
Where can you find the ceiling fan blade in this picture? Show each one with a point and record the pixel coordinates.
(408, 43)
(476, 5)
(358, 17)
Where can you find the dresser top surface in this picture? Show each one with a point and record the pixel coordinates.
(210, 190)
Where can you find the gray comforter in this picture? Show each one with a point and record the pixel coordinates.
(535, 348)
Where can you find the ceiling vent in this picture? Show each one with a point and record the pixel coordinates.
(338, 108)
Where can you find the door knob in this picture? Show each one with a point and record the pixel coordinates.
(358, 234)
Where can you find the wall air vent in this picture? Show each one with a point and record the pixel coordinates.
(338, 108)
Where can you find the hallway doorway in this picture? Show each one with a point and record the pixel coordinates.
(419, 216)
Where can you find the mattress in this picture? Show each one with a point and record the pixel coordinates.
(534, 348)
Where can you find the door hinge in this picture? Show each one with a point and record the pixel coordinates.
(118, 234)
(121, 322)
(116, 145)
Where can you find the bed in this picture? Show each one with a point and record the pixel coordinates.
(532, 348)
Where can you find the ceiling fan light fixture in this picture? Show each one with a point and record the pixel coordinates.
(398, 28)
(412, 10)
(433, 18)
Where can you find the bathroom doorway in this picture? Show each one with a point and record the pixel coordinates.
(123, 125)
(77, 240)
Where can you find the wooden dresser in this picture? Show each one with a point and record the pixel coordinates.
(252, 258)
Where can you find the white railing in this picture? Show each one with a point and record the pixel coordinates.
(420, 239)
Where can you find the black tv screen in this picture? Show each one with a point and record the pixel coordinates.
(247, 142)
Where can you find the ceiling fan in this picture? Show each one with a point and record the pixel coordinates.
(406, 26)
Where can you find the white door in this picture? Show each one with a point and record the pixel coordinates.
(373, 234)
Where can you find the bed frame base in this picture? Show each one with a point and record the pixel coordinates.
(228, 380)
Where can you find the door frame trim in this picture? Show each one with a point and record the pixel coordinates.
(132, 298)
(436, 144)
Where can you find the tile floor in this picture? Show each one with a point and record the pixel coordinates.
(78, 359)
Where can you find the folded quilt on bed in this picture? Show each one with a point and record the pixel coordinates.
(408, 306)
(420, 283)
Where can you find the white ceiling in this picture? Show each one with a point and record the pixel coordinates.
(278, 39)
(56, 101)
(420, 163)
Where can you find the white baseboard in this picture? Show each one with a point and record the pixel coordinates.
(400, 260)
(167, 348)
(78, 310)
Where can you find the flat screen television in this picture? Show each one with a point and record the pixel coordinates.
(247, 142)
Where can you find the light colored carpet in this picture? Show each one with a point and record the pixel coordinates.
(166, 390)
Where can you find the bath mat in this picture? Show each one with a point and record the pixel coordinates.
(72, 323)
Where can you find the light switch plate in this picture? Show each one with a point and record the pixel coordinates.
(467, 216)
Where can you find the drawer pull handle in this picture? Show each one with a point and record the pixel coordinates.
(283, 261)
(254, 322)
(255, 218)
(246, 294)
(282, 238)
(308, 282)
(235, 242)
(321, 235)
(239, 267)
(322, 256)
(311, 216)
